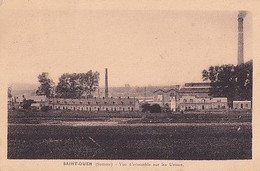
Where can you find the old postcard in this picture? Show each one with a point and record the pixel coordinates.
(103, 85)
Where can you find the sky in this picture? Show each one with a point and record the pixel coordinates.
(140, 48)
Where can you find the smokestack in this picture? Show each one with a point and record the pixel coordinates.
(240, 50)
(106, 84)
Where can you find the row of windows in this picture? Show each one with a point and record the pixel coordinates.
(203, 101)
(94, 108)
(58, 102)
(242, 106)
(203, 107)
(191, 101)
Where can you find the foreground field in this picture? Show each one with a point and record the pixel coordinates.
(131, 141)
(131, 118)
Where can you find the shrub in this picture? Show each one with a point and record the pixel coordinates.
(146, 107)
(155, 108)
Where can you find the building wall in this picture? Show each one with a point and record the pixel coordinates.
(202, 103)
(128, 104)
(242, 105)
(193, 96)
(164, 97)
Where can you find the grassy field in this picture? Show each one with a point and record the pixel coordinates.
(193, 142)
(135, 117)
(207, 136)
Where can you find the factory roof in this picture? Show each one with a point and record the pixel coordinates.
(194, 90)
(165, 90)
(95, 101)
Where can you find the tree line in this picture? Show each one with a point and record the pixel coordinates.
(233, 82)
(73, 85)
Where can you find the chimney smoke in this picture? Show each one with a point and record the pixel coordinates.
(241, 14)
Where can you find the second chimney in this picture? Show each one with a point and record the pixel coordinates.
(106, 84)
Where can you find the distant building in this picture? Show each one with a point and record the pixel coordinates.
(242, 105)
(192, 96)
(17, 101)
(202, 103)
(166, 98)
(36, 106)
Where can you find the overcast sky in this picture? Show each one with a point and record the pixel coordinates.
(138, 47)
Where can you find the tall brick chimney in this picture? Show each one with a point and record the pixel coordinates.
(106, 84)
(240, 50)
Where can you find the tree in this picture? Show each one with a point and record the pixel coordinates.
(233, 82)
(27, 104)
(146, 107)
(89, 82)
(77, 84)
(155, 108)
(244, 81)
(47, 85)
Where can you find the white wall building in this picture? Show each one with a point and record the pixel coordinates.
(242, 105)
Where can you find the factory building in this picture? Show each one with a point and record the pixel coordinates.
(94, 104)
(192, 96)
(242, 105)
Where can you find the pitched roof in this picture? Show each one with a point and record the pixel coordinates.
(95, 101)
(166, 90)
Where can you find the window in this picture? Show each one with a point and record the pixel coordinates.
(246, 105)
(159, 97)
(172, 94)
(184, 100)
(114, 102)
(191, 100)
(203, 100)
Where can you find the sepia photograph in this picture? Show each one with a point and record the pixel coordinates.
(129, 84)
